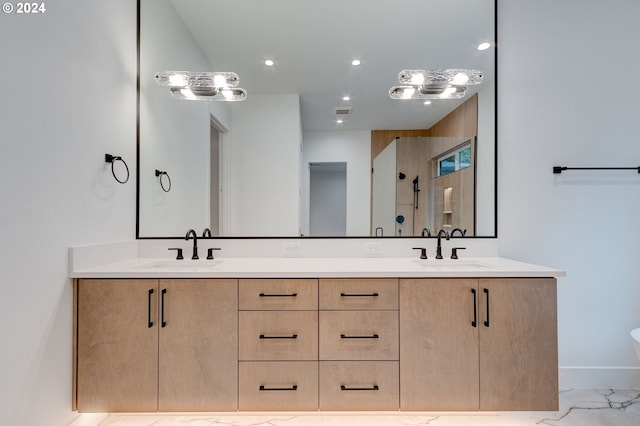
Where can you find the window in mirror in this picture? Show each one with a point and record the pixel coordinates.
(455, 160)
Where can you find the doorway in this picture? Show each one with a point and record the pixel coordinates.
(328, 199)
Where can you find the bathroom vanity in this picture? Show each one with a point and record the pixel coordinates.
(315, 334)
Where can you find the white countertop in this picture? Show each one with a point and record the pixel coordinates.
(300, 267)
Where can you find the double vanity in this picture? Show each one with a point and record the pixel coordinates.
(307, 334)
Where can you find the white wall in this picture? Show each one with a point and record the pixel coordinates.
(568, 97)
(262, 176)
(354, 148)
(174, 134)
(68, 97)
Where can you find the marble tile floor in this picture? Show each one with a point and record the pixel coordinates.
(578, 407)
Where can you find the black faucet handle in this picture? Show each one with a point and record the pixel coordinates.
(210, 252)
(454, 252)
(179, 252)
(423, 252)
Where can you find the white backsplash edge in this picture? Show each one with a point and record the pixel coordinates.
(319, 247)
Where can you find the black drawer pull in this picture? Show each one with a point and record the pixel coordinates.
(293, 336)
(292, 388)
(359, 294)
(278, 295)
(149, 321)
(162, 321)
(373, 336)
(372, 388)
(486, 291)
(474, 323)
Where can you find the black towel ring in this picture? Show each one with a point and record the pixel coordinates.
(112, 159)
(160, 174)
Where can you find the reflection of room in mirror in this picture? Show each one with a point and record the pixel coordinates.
(289, 119)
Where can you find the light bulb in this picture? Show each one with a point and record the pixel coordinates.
(448, 92)
(219, 81)
(417, 79)
(460, 79)
(178, 80)
(188, 94)
(408, 93)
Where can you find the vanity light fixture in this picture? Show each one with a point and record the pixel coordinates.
(203, 86)
(434, 84)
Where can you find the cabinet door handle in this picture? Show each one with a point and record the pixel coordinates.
(372, 388)
(292, 388)
(278, 295)
(149, 322)
(163, 322)
(359, 295)
(293, 336)
(486, 322)
(373, 336)
(474, 323)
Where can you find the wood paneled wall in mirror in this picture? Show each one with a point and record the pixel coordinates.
(243, 169)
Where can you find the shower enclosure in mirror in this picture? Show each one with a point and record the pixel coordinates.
(244, 169)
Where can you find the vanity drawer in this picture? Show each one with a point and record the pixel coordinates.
(278, 294)
(359, 385)
(278, 335)
(355, 335)
(280, 386)
(355, 294)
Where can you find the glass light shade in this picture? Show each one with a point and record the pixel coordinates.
(234, 94)
(410, 92)
(210, 86)
(439, 76)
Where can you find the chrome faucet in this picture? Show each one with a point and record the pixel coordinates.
(191, 233)
(439, 247)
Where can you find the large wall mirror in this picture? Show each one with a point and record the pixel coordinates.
(318, 148)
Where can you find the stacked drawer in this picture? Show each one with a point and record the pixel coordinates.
(358, 344)
(278, 344)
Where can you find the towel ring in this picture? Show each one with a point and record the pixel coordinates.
(160, 174)
(108, 158)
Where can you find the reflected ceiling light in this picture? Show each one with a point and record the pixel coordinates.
(269, 62)
(434, 84)
(427, 102)
(483, 46)
(355, 62)
(346, 98)
(203, 86)
(339, 121)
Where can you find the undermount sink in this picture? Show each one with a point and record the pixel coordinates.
(450, 264)
(182, 265)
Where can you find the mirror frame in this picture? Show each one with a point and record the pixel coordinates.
(495, 182)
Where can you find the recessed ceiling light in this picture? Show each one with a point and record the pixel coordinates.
(355, 62)
(346, 98)
(339, 121)
(269, 62)
(483, 46)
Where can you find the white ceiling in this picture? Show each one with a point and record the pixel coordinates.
(313, 42)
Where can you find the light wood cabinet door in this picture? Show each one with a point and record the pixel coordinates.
(278, 294)
(518, 346)
(358, 335)
(278, 385)
(439, 345)
(278, 335)
(358, 294)
(198, 356)
(117, 345)
(358, 385)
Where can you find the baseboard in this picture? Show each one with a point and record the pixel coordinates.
(599, 378)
